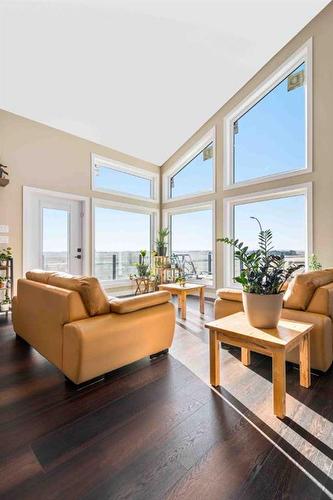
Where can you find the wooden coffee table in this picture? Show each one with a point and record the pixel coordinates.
(182, 292)
(276, 342)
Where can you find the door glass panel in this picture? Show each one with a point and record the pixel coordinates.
(55, 251)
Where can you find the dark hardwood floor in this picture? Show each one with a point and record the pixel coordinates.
(152, 430)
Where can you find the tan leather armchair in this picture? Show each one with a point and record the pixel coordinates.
(309, 298)
(72, 323)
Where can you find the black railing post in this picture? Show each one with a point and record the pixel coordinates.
(114, 266)
(209, 262)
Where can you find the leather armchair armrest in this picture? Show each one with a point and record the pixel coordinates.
(230, 294)
(131, 304)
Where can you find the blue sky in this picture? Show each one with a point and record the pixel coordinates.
(192, 231)
(114, 180)
(195, 177)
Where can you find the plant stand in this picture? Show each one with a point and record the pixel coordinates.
(7, 271)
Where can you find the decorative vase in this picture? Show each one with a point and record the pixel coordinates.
(263, 311)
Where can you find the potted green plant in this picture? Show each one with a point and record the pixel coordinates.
(5, 305)
(5, 255)
(142, 267)
(162, 242)
(263, 275)
(314, 264)
(3, 282)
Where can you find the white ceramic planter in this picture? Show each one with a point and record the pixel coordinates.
(263, 311)
(4, 307)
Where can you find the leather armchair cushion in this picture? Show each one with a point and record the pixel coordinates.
(131, 304)
(303, 286)
(322, 301)
(230, 294)
(95, 300)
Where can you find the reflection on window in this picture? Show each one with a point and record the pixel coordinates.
(191, 242)
(286, 217)
(55, 251)
(111, 179)
(269, 139)
(196, 176)
(119, 237)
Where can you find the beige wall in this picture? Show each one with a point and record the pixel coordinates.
(43, 157)
(321, 30)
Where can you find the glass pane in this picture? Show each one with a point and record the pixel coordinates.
(270, 138)
(196, 176)
(119, 237)
(113, 180)
(289, 238)
(55, 250)
(191, 240)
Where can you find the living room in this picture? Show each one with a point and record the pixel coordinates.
(166, 282)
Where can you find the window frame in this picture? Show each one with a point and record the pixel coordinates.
(186, 158)
(101, 161)
(284, 192)
(303, 55)
(123, 207)
(167, 213)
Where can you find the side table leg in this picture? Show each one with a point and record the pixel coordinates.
(202, 300)
(304, 361)
(279, 383)
(183, 304)
(246, 356)
(214, 355)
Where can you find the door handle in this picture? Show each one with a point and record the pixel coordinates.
(78, 256)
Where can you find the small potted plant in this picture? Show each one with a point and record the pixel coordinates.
(181, 280)
(263, 276)
(142, 267)
(5, 255)
(5, 305)
(314, 264)
(161, 242)
(3, 282)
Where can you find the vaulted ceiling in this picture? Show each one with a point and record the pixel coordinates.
(139, 76)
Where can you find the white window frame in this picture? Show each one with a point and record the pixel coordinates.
(228, 222)
(124, 207)
(210, 205)
(183, 161)
(100, 161)
(303, 55)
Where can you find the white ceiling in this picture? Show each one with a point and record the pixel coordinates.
(137, 76)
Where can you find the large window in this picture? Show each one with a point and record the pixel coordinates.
(191, 242)
(268, 134)
(194, 173)
(119, 236)
(113, 177)
(286, 213)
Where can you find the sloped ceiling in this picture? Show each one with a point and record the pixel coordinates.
(137, 76)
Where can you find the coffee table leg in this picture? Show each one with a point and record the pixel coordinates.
(183, 305)
(202, 300)
(304, 361)
(214, 354)
(246, 356)
(279, 383)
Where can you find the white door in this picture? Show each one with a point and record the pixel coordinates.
(53, 238)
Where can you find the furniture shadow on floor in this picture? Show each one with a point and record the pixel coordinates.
(270, 466)
(318, 397)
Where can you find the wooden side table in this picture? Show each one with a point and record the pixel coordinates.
(182, 292)
(276, 342)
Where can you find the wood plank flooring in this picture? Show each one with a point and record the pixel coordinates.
(152, 430)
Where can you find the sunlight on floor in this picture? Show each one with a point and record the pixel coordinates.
(255, 393)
